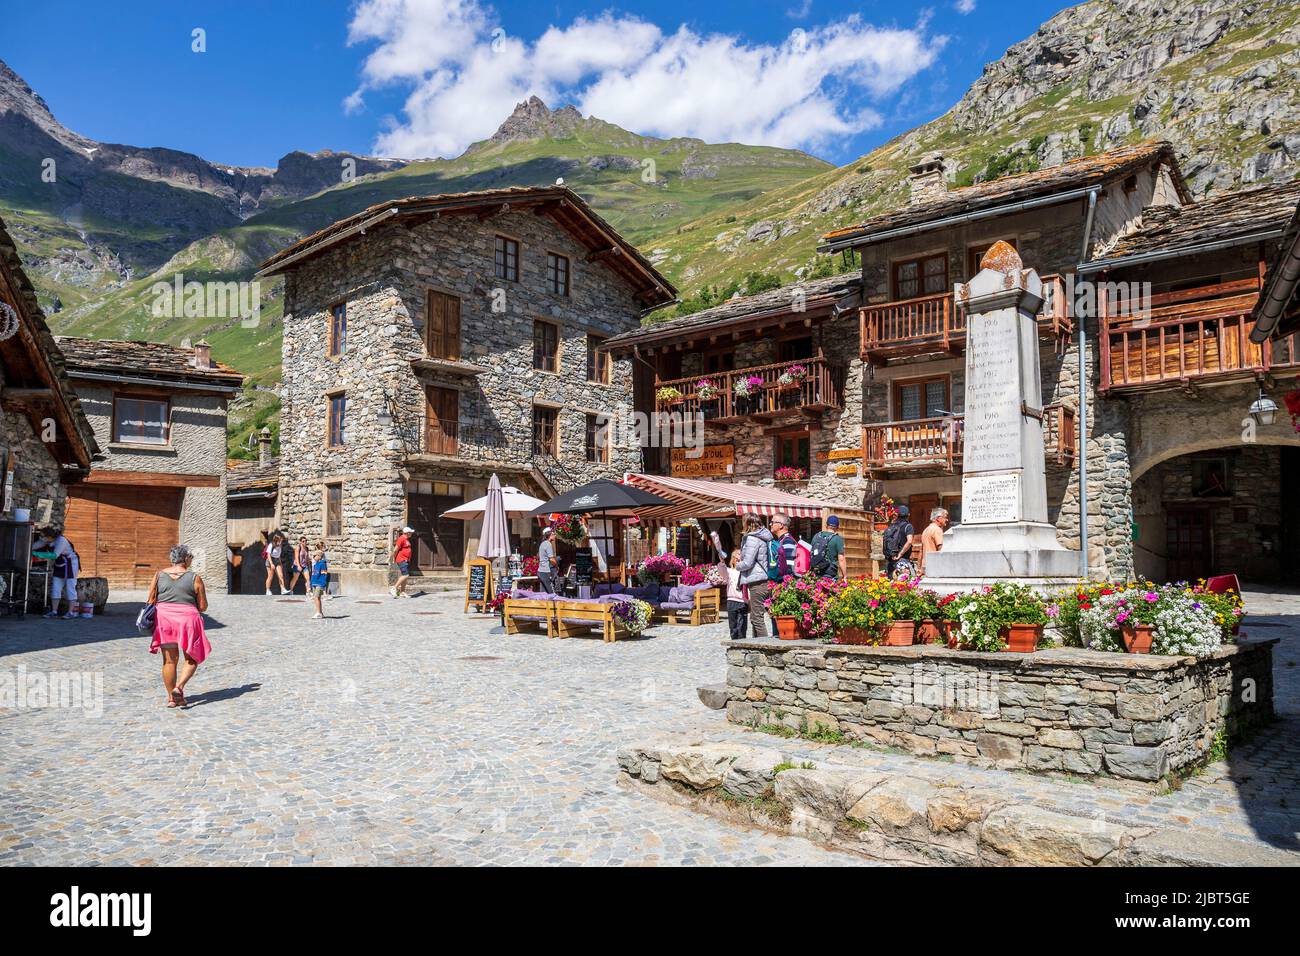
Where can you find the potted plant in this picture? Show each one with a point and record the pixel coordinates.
(748, 391)
(885, 512)
(668, 395)
(568, 528)
(790, 473)
(929, 626)
(948, 613)
(708, 393)
(790, 384)
(857, 613)
(1003, 616)
(658, 568)
(632, 616)
(800, 606)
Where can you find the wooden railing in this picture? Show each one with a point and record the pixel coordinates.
(936, 444)
(1186, 336)
(936, 323)
(820, 388)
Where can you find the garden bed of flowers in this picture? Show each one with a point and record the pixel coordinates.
(1137, 617)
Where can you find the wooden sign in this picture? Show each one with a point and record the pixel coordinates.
(845, 471)
(844, 454)
(713, 461)
(478, 584)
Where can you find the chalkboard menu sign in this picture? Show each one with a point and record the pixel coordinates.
(582, 567)
(478, 584)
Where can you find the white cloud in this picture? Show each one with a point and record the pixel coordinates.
(965, 6)
(466, 74)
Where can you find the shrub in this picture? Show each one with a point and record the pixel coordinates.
(986, 612)
(807, 598)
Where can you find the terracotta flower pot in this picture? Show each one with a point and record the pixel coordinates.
(927, 632)
(788, 628)
(1137, 638)
(952, 633)
(857, 635)
(1022, 638)
(898, 633)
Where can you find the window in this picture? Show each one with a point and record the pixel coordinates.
(141, 420)
(792, 451)
(975, 254)
(338, 406)
(557, 273)
(923, 398)
(598, 361)
(333, 511)
(597, 442)
(338, 338)
(442, 326)
(917, 277)
(546, 346)
(717, 362)
(546, 431)
(790, 350)
(507, 259)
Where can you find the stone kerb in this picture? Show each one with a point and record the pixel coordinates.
(1064, 709)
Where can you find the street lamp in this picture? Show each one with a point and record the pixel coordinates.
(1263, 409)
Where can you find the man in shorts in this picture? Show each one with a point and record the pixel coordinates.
(402, 558)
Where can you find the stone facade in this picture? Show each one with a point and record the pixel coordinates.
(37, 487)
(384, 278)
(1064, 709)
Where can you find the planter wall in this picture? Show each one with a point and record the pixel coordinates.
(1065, 709)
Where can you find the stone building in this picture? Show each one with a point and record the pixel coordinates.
(46, 444)
(159, 413)
(430, 342)
(888, 419)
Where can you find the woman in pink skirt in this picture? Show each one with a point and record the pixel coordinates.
(179, 601)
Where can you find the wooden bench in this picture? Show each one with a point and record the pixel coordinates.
(578, 618)
(527, 614)
(706, 609)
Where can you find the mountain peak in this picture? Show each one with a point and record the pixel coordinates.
(533, 119)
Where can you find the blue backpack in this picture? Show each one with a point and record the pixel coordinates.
(774, 560)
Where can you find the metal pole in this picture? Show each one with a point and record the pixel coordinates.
(1083, 397)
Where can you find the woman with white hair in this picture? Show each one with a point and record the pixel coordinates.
(179, 601)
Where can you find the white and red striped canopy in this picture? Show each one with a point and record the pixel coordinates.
(699, 498)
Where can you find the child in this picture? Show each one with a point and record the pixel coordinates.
(737, 607)
(320, 580)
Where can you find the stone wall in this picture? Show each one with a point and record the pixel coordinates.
(384, 278)
(36, 472)
(1064, 709)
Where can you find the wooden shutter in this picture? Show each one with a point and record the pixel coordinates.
(442, 326)
(442, 416)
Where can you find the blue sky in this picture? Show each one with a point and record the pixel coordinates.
(426, 77)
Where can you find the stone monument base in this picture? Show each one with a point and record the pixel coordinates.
(1023, 551)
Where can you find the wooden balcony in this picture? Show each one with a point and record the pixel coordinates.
(933, 446)
(821, 389)
(935, 324)
(1191, 336)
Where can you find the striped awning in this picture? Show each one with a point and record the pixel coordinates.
(699, 498)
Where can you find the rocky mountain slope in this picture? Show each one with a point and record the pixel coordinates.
(1219, 78)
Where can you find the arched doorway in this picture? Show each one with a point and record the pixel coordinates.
(1230, 509)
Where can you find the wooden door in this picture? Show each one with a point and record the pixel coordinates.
(442, 326)
(1189, 543)
(441, 420)
(439, 542)
(123, 533)
(920, 507)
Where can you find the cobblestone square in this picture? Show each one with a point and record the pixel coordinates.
(404, 732)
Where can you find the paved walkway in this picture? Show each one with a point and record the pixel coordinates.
(405, 732)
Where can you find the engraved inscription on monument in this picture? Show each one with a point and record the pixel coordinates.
(987, 499)
(993, 420)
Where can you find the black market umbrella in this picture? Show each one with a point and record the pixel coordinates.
(601, 497)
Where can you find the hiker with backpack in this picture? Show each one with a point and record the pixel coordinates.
(755, 557)
(898, 545)
(828, 551)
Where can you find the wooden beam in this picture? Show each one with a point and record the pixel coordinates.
(487, 214)
(160, 479)
(604, 254)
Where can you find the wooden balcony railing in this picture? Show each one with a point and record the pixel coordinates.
(1191, 335)
(935, 323)
(821, 388)
(936, 444)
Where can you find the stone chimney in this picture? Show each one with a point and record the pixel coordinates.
(927, 180)
(264, 445)
(202, 354)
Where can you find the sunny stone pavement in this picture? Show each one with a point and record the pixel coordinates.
(406, 732)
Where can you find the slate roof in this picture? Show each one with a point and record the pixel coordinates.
(246, 476)
(1229, 216)
(153, 360)
(1080, 173)
(776, 301)
(570, 211)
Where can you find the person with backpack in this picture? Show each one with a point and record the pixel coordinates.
(783, 550)
(898, 544)
(828, 551)
(755, 557)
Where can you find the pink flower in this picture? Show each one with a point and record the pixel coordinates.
(1152, 597)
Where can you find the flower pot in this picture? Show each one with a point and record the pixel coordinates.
(789, 628)
(1022, 638)
(898, 633)
(857, 635)
(952, 633)
(880, 525)
(1137, 638)
(927, 632)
